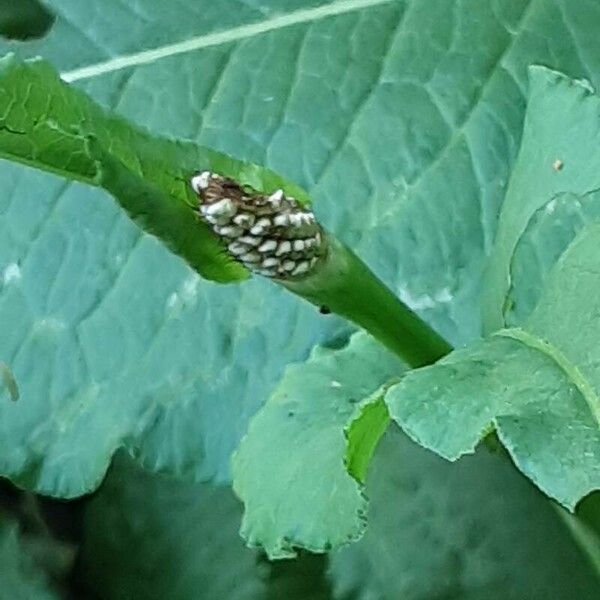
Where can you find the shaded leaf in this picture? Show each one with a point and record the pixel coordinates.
(19, 577)
(155, 537)
(467, 530)
(24, 19)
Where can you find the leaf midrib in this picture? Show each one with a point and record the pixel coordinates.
(234, 34)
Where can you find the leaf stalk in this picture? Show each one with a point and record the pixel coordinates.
(346, 286)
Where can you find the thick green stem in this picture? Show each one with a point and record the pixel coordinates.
(347, 287)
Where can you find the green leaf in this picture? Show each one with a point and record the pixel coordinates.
(467, 530)
(61, 130)
(553, 193)
(21, 579)
(289, 469)
(420, 170)
(363, 435)
(409, 175)
(537, 385)
(155, 537)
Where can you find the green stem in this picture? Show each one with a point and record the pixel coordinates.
(347, 287)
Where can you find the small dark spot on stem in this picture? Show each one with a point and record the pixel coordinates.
(324, 310)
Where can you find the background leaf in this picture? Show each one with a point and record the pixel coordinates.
(20, 577)
(428, 105)
(467, 530)
(24, 19)
(471, 530)
(154, 537)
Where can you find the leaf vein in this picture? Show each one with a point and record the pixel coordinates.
(459, 132)
(219, 37)
(385, 56)
(562, 361)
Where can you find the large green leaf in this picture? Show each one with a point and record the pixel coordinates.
(468, 530)
(113, 341)
(405, 137)
(505, 384)
(289, 469)
(154, 537)
(538, 383)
